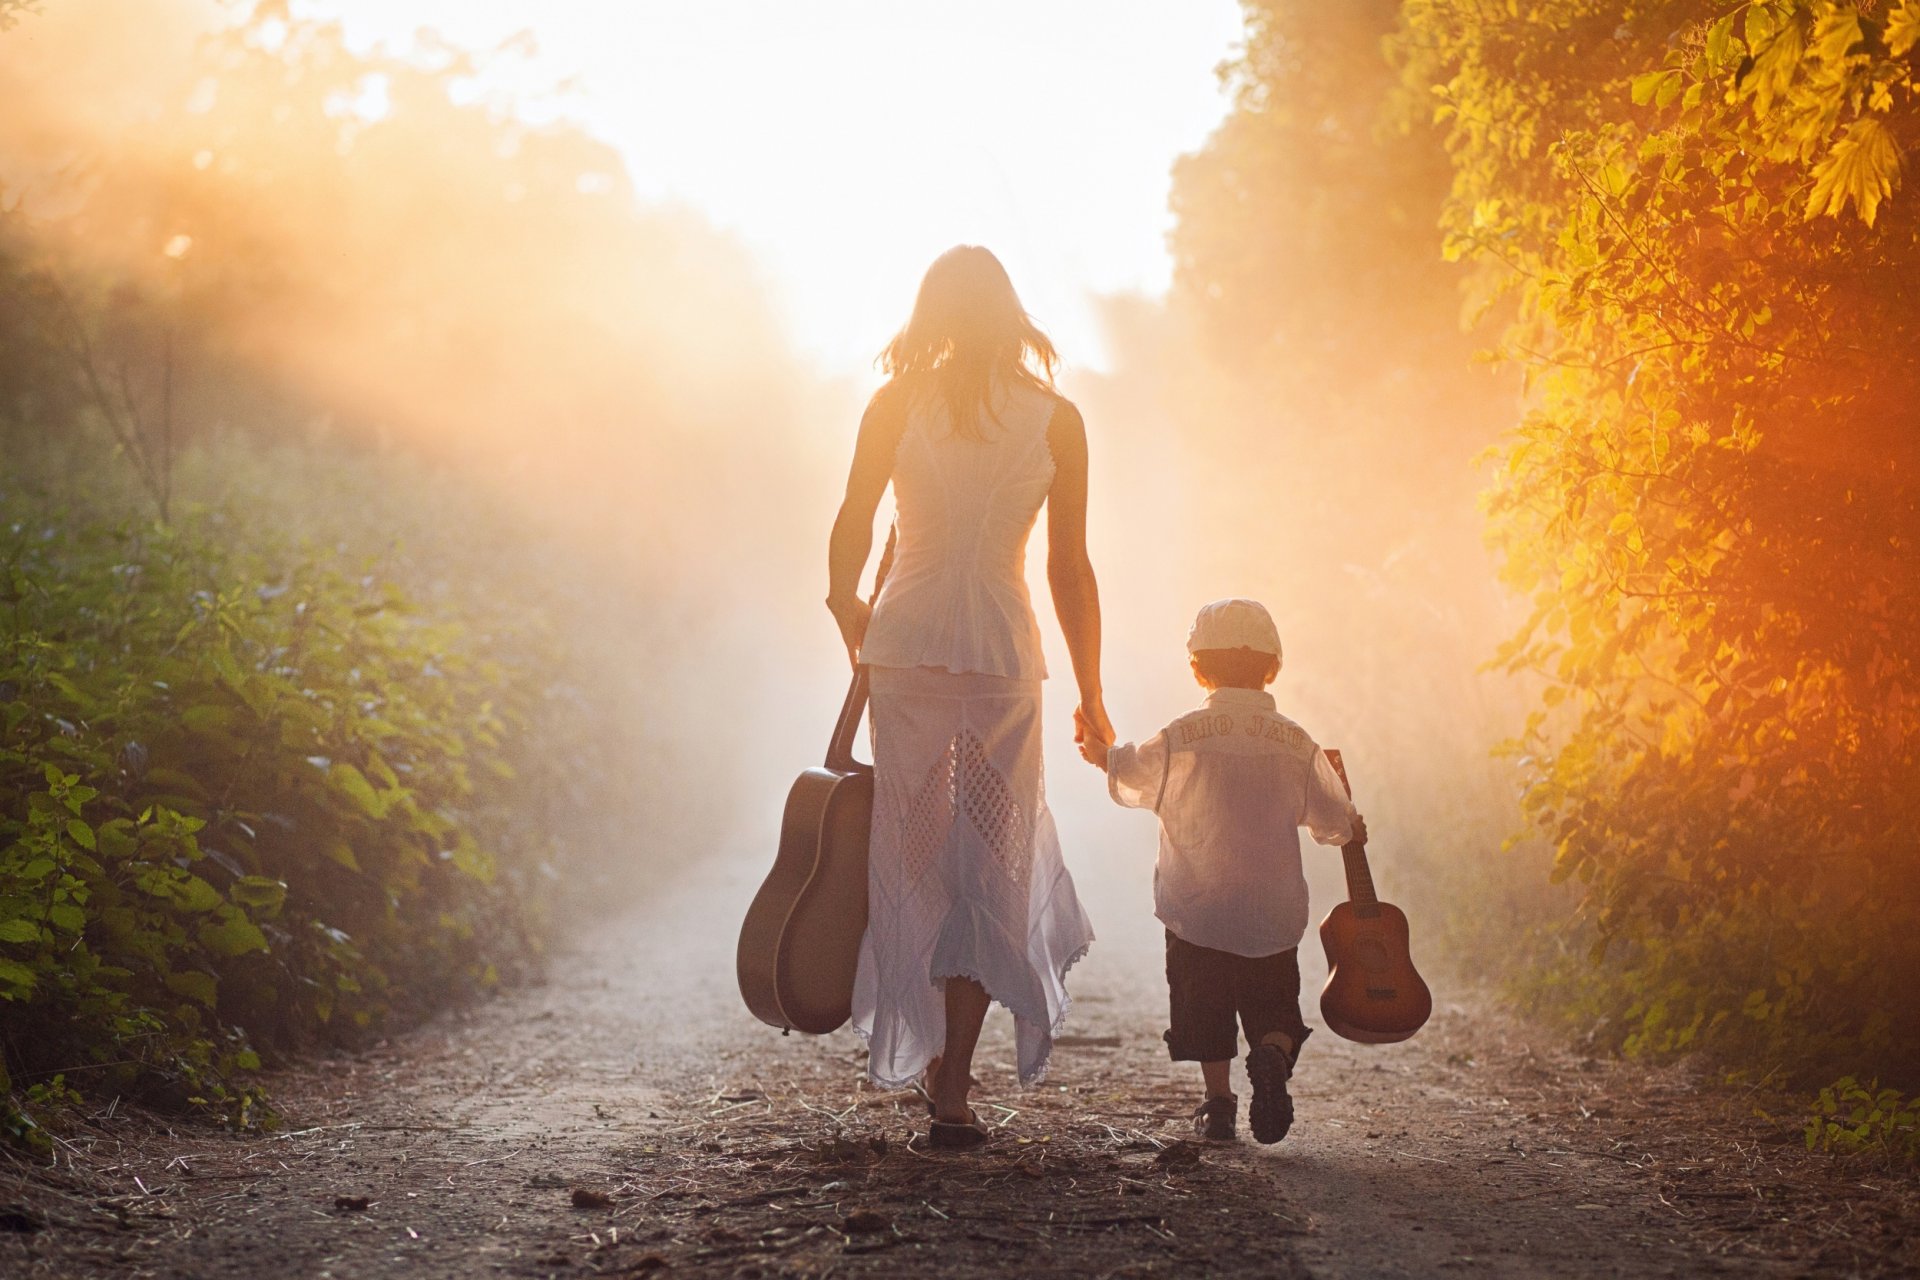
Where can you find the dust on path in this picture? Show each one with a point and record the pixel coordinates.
(723, 1149)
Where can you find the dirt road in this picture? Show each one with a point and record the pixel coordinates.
(627, 1117)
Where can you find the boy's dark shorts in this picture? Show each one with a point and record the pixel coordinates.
(1207, 989)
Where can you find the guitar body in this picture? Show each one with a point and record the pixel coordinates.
(800, 943)
(1373, 994)
(801, 939)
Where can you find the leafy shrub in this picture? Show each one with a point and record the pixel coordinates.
(1690, 221)
(250, 799)
(1851, 1117)
(1761, 984)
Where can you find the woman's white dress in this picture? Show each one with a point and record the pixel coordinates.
(965, 876)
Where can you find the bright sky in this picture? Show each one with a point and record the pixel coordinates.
(850, 141)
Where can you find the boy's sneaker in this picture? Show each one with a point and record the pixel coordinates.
(1216, 1119)
(1269, 1067)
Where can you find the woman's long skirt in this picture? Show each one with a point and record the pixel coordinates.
(965, 877)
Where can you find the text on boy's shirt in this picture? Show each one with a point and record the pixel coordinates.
(1217, 724)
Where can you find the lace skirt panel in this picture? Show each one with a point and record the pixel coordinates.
(965, 877)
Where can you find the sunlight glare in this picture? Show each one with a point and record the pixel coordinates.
(849, 142)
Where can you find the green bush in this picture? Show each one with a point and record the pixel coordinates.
(252, 798)
(1851, 1117)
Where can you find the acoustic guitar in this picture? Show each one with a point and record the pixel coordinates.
(1373, 993)
(801, 940)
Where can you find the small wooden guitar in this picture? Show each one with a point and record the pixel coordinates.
(1373, 993)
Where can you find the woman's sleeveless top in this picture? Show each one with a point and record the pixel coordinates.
(957, 594)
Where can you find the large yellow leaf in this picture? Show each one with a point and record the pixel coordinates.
(1774, 67)
(1903, 28)
(1863, 167)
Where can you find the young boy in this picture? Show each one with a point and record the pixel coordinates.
(1232, 783)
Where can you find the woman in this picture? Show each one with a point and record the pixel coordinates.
(968, 900)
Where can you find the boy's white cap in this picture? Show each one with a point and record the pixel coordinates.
(1234, 624)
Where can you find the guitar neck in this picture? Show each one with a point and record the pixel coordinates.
(1354, 853)
(1359, 875)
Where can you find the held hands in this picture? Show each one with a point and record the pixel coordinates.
(1093, 732)
(853, 614)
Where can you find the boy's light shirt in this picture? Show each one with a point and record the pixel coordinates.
(1232, 784)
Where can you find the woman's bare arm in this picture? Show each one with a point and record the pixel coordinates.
(852, 539)
(1076, 596)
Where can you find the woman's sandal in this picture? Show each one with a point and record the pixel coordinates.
(950, 1136)
(920, 1090)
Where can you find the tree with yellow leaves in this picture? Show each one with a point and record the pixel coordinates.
(1689, 221)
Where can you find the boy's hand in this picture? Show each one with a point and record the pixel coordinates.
(1359, 828)
(1090, 721)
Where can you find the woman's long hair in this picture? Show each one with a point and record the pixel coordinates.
(967, 329)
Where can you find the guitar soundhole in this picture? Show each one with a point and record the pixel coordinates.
(1371, 954)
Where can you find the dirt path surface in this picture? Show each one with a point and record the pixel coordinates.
(627, 1117)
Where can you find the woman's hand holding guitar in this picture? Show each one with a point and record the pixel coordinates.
(853, 614)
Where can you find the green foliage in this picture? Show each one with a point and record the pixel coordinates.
(1689, 218)
(252, 797)
(316, 759)
(1853, 1118)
